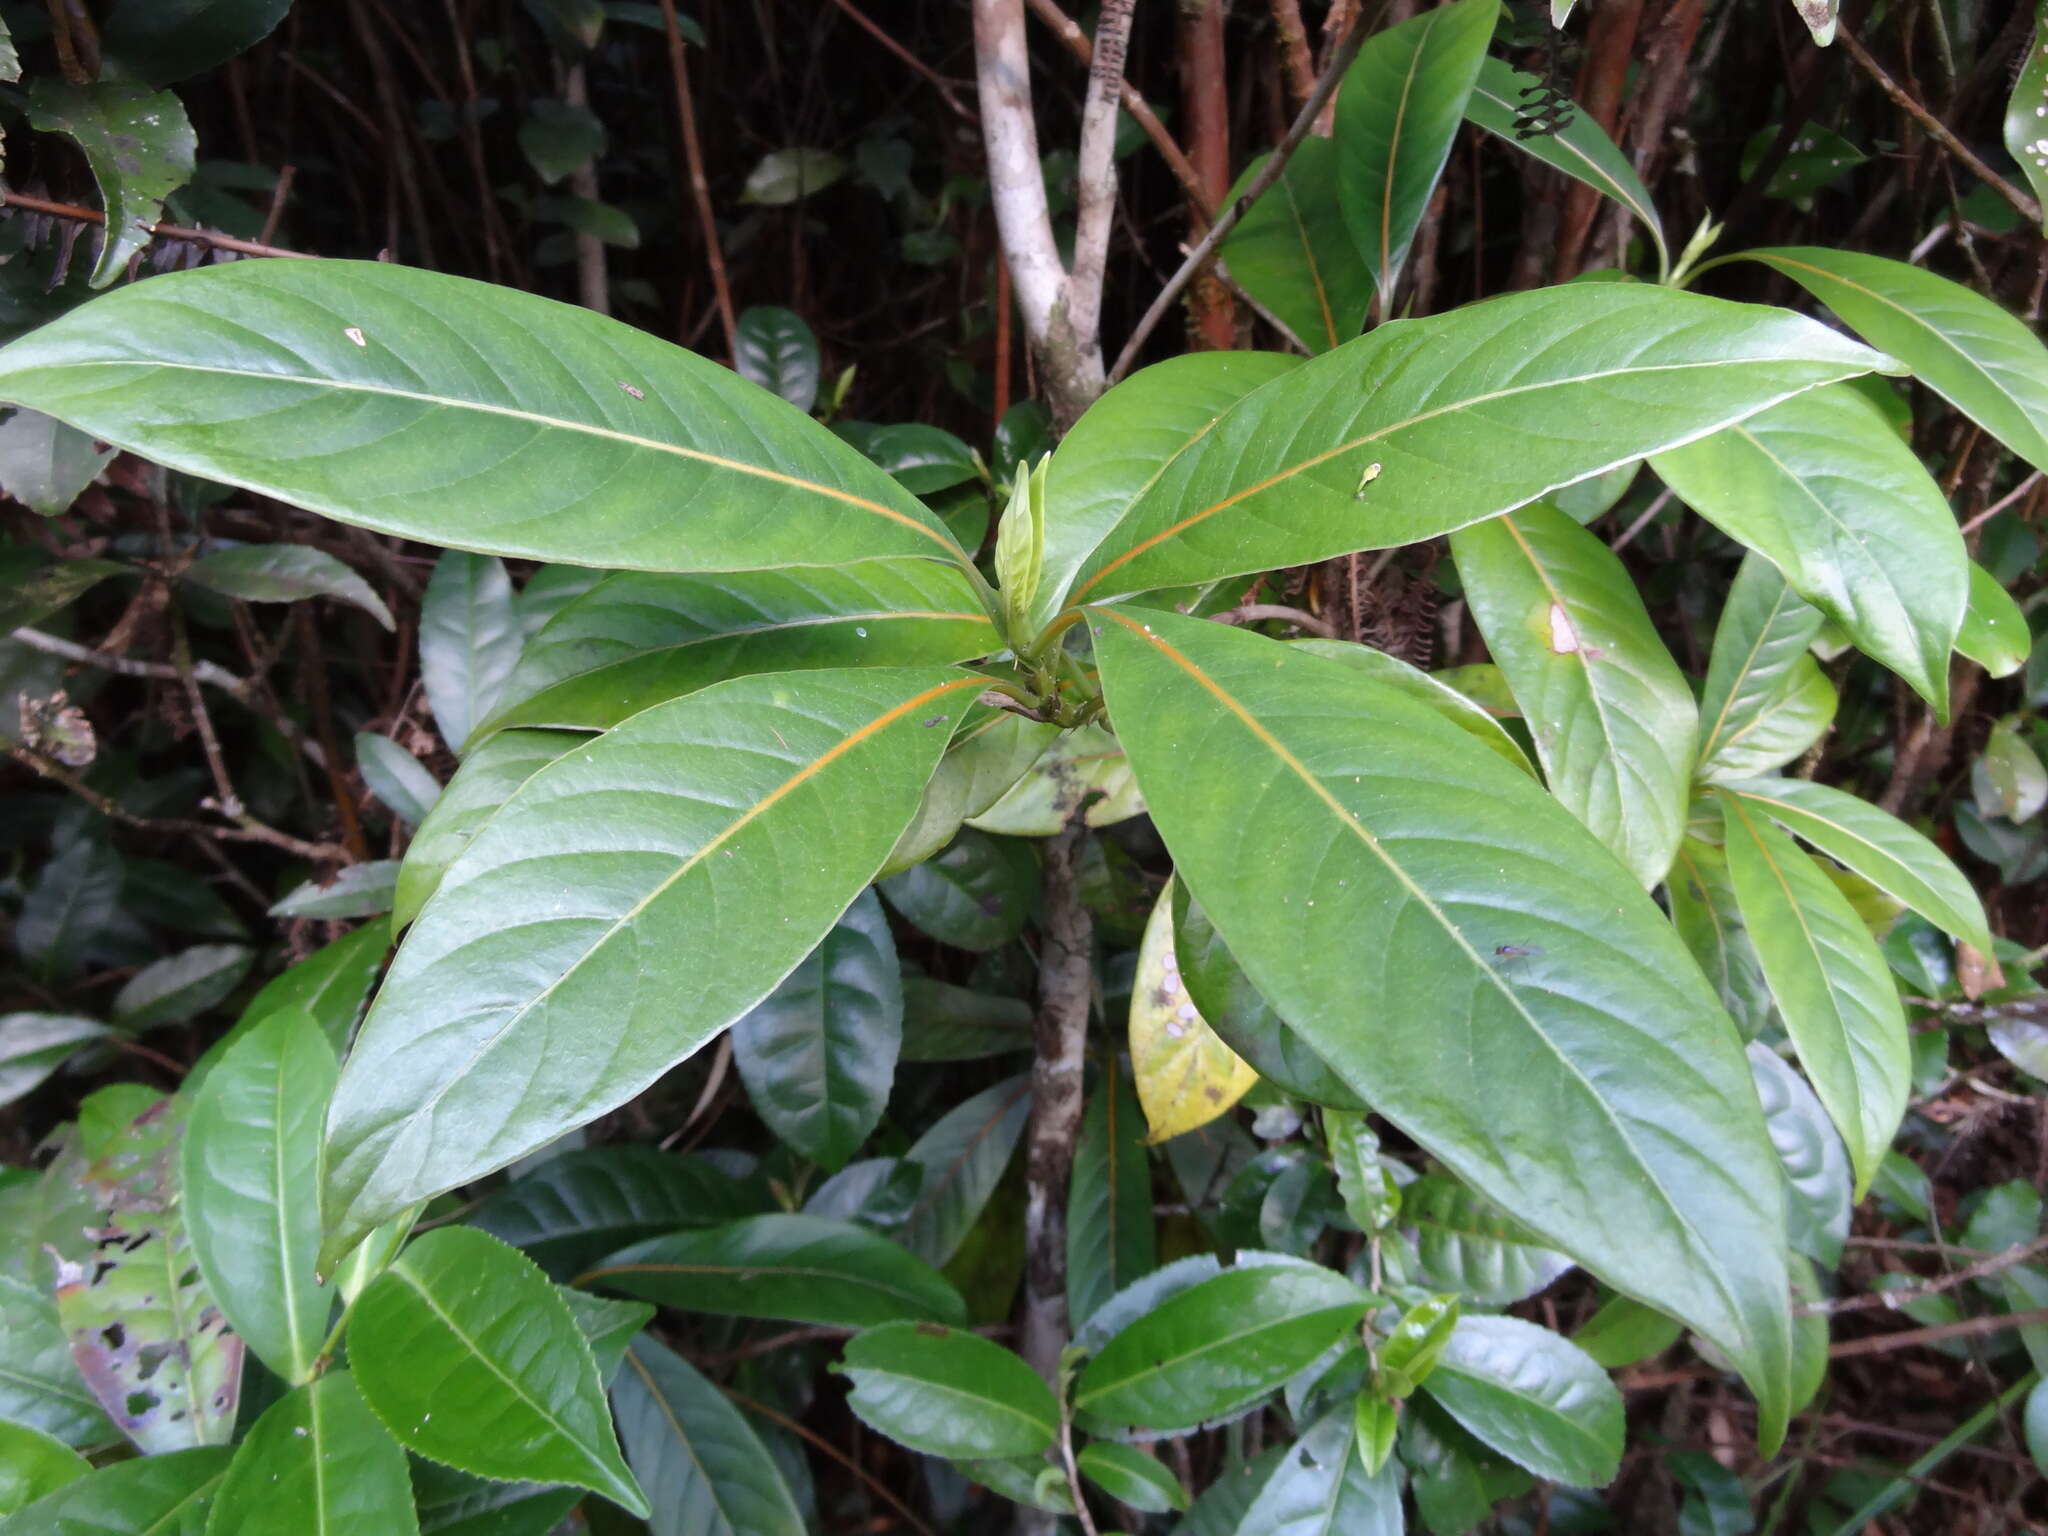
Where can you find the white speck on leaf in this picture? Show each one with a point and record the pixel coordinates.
(355, 334)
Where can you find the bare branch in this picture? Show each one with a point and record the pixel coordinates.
(1097, 167)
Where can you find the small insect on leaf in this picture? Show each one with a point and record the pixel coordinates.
(629, 389)
(1516, 951)
(1372, 473)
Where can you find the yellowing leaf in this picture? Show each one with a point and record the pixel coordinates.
(1186, 1075)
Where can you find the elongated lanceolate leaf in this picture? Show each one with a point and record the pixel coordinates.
(1587, 1038)
(1961, 345)
(574, 1209)
(1611, 715)
(960, 1160)
(1754, 711)
(1824, 489)
(145, 1496)
(1293, 252)
(1535, 1397)
(709, 844)
(1110, 1235)
(1817, 1180)
(1833, 988)
(638, 638)
(488, 777)
(1704, 911)
(1581, 149)
(1994, 632)
(705, 1470)
(949, 1393)
(467, 415)
(317, 1461)
(1398, 111)
(1322, 1488)
(469, 641)
(1560, 385)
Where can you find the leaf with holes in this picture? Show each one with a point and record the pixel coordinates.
(1293, 252)
(140, 146)
(717, 810)
(1590, 1029)
(319, 1461)
(946, 1392)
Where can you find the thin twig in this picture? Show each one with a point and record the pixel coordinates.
(939, 82)
(868, 1479)
(2002, 503)
(700, 187)
(1300, 618)
(1227, 220)
(1629, 533)
(1892, 1300)
(12, 199)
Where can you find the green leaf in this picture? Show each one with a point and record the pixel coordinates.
(1398, 112)
(1625, 1332)
(2009, 779)
(139, 144)
(46, 466)
(1223, 1503)
(789, 175)
(1709, 920)
(991, 752)
(1217, 1346)
(1419, 685)
(559, 138)
(1601, 374)
(2036, 1413)
(1825, 490)
(942, 1022)
(1110, 1235)
(361, 890)
(1410, 1350)
(1834, 991)
(1875, 844)
(1468, 1244)
(1322, 1487)
(1536, 1398)
(396, 777)
(467, 415)
(468, 1355)
(923, 460)
(637, 639)
(801, 1269)
(1132, 1477)
(1816, 1166)
(818, 1054)
(737, 796)
(1227, 1001)
(607, 1326)
(319, 1461)
(1612, 717)
(284, 573)
(1964, 347)
(961, 1160)
(33, 1045)
(1125, 441)
(33, 1466)
(776, 350)
(948, 1393)
(591, 218)
(39, 1385)
(1765, 700)
(181, 986)
(162, 41)
(1581, 149)
(1595, 1033)
(469, 641)
(1715, 1504)
(705, 1470)
(1084, 771)
(2025, 131)
(32, 587)
(146, 1496)
(977, 893)
(331, 984)
(1994, 632)
(1020, 549)
(73, 910)
(488, 777)
(251, 1188)
(1293, 252)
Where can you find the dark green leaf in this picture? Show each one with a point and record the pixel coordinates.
(1534, 1397)
(1110, 1235)
(139, 144)
(181, 986)
(559, 137)
(1762, 703)
(469, 642)
(1132, 1477)
(453, 1503)
(608, 1326)
(33, 1045)
(33, 1466)
(1294, 254)
(318, 1461)
(948, 1393)
(776, 350)
(330, 984)
(284, 573)
(488, 777)
(2024, 133)
(790, 175)
(993, 749)
(942, 1022)
(73, 910)
(1816, 1167)
(46, 465)
(1625, 1332)
(468, 1355)
(738, 796)
(163, 41)
(802, 1269)
(39, 1385)
(924, 460)
(148, 1496)
(32, 587)
(361, 890)
(1322, 1487)
(1715, 1503)
(396, 777)
(961, 1159)
(1468, 1244)
(977, 893)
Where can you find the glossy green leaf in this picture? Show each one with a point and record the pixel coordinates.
(284, 573)
(361, 890)
(251, 1188)
(331, 984)
(1709, 920)
(1231, 1005)
(1322, 1487)
(452, 1503)
(1984, 361)
(1398, 111)
(139, 144)
(942, 1022)
(1625, 1332)
(802, 1269)
(396, 777)
(1458, 708)
(1410, 1349)
(637, 639)
(1825, 490)
(738, 796)
(2035, 1415)
(818, 1054)
(33, 1045)
(2026, 139)
(1111, 1240)
(1222, 1504)
(1535, 1397)
(1132, 1477)
(1561, 384)
(46, 466)
(1833, 989)
(163, 43)
(39, 1385)
(1877, 846)
(2009, 778)
(146, 1496)
(960, 1161)
(181, 986)
(33, 1466)
(607, 1326)
(1816, 1166)
(1292, 251)
(1763, 701)
(316, 1461)
(993, 750)
(1125, 441)
(469, 641)
(472, 416)
(1468, 1244)
(1590, 1028)
(468, 1356)
(1612, 717)
(976, 893)
(923, 459)
(1994, 632)
(491, 774)
(705, 1470)
(946, 1392)
(1581, 149)
(1215, 1347)
(776, 350)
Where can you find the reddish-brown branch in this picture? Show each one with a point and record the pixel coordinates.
(1299, 63)
(939, 82)
(1205, 93)
(1610, 45)
(700, 185)
(220, 242)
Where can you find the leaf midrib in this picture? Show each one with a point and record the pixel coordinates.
(761, 1271)
(1712, 743)
(925, 1383)
(660, 1400)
